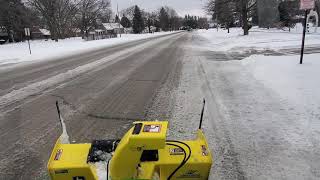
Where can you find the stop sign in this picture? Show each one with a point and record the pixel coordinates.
(306, 4)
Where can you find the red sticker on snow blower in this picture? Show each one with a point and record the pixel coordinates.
(154, 128)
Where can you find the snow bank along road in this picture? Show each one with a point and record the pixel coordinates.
(255, 129)
(101, 94)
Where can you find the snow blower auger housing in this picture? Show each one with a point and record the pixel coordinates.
(143, 153)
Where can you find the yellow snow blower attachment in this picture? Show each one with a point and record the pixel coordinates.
(143, 153)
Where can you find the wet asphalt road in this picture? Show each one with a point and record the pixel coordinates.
(101, 93)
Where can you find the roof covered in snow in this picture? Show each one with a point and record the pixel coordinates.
(99, 30)
(111, 26)
(45, 32)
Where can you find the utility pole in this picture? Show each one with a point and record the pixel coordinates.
(119, 19)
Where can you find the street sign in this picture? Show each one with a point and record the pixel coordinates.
(27, 31)
(307, 4)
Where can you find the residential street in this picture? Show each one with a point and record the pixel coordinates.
(101, 94)
(254, 132)
(159, 90)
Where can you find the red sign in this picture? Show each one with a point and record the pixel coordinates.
(306, 4)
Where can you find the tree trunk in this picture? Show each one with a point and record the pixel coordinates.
(244, 12)
(53, 31)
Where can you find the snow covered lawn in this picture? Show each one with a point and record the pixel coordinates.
(43, 50)
(262, 118)
(299, 84)
(269, 121)
(258, 39)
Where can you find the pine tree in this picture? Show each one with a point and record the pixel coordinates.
(125, 22)
(116, 19)
(14, 17)
(287, 11)
(164, 19)
(138, 22)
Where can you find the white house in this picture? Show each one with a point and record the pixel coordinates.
(115, 28)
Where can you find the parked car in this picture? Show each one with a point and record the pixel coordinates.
(2, 41)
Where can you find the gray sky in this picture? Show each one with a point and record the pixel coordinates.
(192, 7)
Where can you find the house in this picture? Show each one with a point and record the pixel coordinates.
(96, 34)
(128, 30)
(113, 28)
(76, 32)
(40, 33)
(104, 31)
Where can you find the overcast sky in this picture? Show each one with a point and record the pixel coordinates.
(192, 7)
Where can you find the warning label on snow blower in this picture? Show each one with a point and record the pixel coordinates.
(154, 128)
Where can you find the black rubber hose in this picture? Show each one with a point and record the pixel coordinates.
(108, 169)
(182, 163)
(184, 160)
(185, 145)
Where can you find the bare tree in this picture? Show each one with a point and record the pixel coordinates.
(164, 19)
(106, 15)
(174, 20)
(58, 15)
(220, 9)
(169, 19)
(203, 23)
(128, 12)
(89, 12)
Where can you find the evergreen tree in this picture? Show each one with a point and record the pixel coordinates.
(287, 12)
(116, 19)
(138, 22)
(190, 22)
(149, 24)
(164, 19)
(14, 17)
(125, 22)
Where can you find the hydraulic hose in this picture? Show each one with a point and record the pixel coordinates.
(185, 160)
(108, 169)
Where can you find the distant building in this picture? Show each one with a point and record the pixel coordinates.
(76, 32)
(105, 30)
(113, 28)
(40, 33)
(128, 30)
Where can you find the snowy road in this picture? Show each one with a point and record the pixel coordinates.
(253, 131)
(101, 94)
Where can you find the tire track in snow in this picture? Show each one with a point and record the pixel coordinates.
(38, 87)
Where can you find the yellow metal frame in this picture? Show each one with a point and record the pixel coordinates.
(70, 160)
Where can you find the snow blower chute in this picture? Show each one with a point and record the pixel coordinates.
(143, 153)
